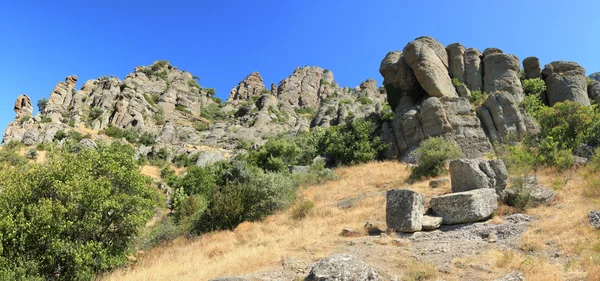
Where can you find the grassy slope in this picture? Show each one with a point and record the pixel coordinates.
(258, 246)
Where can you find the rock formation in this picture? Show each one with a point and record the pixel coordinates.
(404, 210)
(501, 74)
(342, 267)
(565, 81)
(23, 107)
(532, 68)
(251, 87)
(465, 207)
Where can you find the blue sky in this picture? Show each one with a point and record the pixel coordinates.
(42, 42)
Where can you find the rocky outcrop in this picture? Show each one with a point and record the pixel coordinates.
(473, 70)
(23, 107)
(593, 90)
(501, 74)
(399, 81)
(306, 87)
(532, 68)
(404, 210)
(342, 267)
(71, 80)
(456, 60)
(452, 118)
(503, 119)
(465, 207)
(429, 61)
(471, 174)
(251, 87)
(565, 81)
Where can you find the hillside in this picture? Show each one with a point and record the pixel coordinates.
(557, 245)
(463, 166)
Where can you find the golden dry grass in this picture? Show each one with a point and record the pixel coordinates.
(256, 246)
(253, 246)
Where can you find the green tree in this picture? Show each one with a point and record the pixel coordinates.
(434, 154)
(73, 216)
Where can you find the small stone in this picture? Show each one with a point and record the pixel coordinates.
(398, 242)
(492, 238)
(431, 223)
(349, 232)
(594, 217)
(439, 183)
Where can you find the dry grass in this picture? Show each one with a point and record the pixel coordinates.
(256, 246)
(253, 246)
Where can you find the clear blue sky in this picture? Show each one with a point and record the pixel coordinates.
(42, 42)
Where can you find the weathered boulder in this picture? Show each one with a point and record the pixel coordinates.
(30, 137)
(87, 143)
(465, 207)
(532, 68)
(501, 74)
(429, 61)
(251, 86)
(528, 191)
(71, 80)
(471, 174)
(452, 118)
(456, 61)
(431, 223)
(593, 90)
(565, 81)
(208, 157)
(594, 218)
(23, 107)
(463, 91)
(473, 70)
(501, 118)
(342, 267)
(399, 80)
(490, 51)
(404, 210)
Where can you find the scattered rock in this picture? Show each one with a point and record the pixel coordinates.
(436, 183)
(404, 210)
(528, 191)
(431, 223)
(231, 278)
(342, 267)
(594, 217)
(399, 242)
(514, 276)
(208, 157)
(465, 207)
(492, 238)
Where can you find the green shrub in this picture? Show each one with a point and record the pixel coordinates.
(534, 86)
(200, 126)
(212, 112)
(211, 92)
(182, 109)
(60, 135)
(45, 119)
(478, 97)
(32, 154)
(433, 156)
(364, 100)
(351, 143)
(95, 113)
(159, 118)
(194, 84)
(114, 132)
(152, 99)
(569, 124)
(147, 139)
(41, 104)
(302, 209)
(12, 145)
(164, 231)
(307, 111)
(276, 155)
(456, 82)
(73, 216)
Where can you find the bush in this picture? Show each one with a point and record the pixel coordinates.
(32, 154)
(82, 211)
(534, 86)
(45, 119)
(147, 139)
(163, 232)
(478, 97)
(434, 154)
(302, 209)
(276, 155)
(351, 143)
(569, 124)
(60, 135)
(41, 104)
(364, 100)
(95, 113)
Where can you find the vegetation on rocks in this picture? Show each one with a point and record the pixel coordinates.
(433, 156)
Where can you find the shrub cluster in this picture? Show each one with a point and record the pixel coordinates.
(71, 217)
(433, 156)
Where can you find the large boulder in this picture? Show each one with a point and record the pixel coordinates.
(473, 70)
(502, 119)
(342, 267)
(456, 60)
(593, 90)
(471, 174)
(565, 81)
(208, 157)
(465, 207)
(501, 74)
(532, 68)
(429, 61)
(404, 210)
